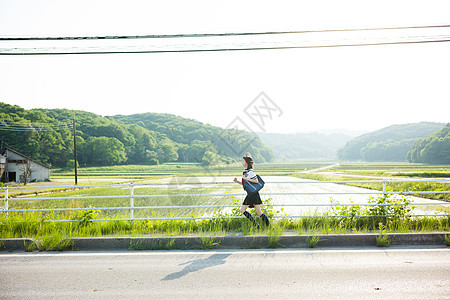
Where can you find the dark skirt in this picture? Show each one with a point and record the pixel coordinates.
(252, 200)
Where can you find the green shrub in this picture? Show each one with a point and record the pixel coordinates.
(85, 217)
(312, 241)
(208, 243)
(382, 238)
(447, 240)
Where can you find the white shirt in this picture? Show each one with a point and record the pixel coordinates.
(250, 174)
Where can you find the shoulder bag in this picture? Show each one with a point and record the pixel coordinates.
(251, 187)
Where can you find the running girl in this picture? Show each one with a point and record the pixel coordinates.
(253, 200)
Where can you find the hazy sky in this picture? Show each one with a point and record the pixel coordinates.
(357, 88)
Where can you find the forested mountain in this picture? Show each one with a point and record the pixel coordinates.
(311, 145)
(434, 149)
(196, 139)
(388, 144)
(45, 145)
(44, 135)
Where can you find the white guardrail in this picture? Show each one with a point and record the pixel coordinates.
(132, 196)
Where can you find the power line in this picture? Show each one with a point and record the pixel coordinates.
(30, 130)
(444, 39)
(30, 127)
(159, 36)
(241, 41)
(35, 124)
(34, 128)
(21, 124)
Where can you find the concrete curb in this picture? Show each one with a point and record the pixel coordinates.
(19, 244)
(231, 242)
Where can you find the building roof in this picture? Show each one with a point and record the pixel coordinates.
(29, 158)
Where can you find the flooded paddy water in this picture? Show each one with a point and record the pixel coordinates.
(316, 193)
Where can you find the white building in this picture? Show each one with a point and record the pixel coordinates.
(2, 165)
(18, 166)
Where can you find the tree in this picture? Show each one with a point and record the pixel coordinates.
(434, 149)
(353, 150)
(25, 177)
(144, 138)
(387, 151)
(102, 151)
(167, 151)
(210, 158)
(145, 143)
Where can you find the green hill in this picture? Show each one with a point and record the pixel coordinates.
(388, 144)
(304, 145)
(137, 139)
(434, 149)
(192, 136)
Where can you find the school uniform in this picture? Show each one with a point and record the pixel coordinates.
(253, 199)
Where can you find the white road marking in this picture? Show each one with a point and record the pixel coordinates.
(200, 252)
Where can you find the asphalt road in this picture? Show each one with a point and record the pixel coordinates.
(391, 273)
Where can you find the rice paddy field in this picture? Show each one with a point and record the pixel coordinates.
(165, 180)
(157, 190)
(159, 187)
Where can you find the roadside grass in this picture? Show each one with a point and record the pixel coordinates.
(312, 240)
(275, 232)
(169, 245)
(447, 240)
(382, 239)
(56, 236)
(208, 243)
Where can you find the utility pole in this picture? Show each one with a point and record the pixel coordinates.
(75, 149)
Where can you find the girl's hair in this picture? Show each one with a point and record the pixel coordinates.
(249, 160)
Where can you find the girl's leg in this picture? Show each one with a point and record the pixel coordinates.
(258, 210)
(263, 216)
(248, 215)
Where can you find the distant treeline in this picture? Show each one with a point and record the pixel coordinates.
(311, 145)
(434, 149)
(137, 139)
(423, 142)
(151, 138)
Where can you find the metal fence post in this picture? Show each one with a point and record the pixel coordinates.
(132, 203)
(6, 203)
(384, 198)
